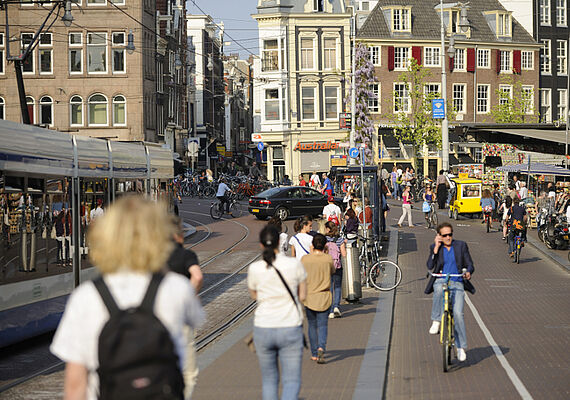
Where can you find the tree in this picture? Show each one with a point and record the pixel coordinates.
(515, 102)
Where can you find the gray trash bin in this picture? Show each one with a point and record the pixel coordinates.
(351, 286)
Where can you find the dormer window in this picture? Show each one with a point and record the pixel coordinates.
(501, 22)
(318, 5)
(401, 20)
(453, 19)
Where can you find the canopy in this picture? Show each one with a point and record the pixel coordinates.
(536, 169)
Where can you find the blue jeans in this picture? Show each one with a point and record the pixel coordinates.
(457, 294)
(395, 190)
(318, 322)
(285, 344)
(336, 288)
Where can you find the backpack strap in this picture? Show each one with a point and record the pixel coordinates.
(148, 301)
(106, 296)
(298, 241)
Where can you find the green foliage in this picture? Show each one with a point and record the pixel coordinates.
(513, 108)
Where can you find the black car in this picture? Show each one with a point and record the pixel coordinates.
(290, 201)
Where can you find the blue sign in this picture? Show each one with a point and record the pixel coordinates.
(260, 146)
(353, 152)
(438, 108)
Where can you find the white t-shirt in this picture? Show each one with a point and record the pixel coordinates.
(304, 248)
(275, 308)
(332, 209)
(77, 336)
(96, 213)
(399, 171)
(523, 192)
(315, 180)
(283, 245)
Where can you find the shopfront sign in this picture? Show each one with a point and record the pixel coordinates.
(344, 121)
(338, 161)
(316, 146)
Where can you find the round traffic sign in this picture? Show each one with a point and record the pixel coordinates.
(353, 152)
(260, 146)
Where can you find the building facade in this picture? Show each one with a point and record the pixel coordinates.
(300, 84)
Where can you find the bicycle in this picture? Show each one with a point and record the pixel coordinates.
(447, 327)
(217, 208)
(383, 275)
(487, 215)
(431, 219)
(518, 247)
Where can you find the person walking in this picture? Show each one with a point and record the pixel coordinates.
(449, 256)
(395, 185)
(302, 181)
(283, 237)
(441, 189)
(406, 206)
(332, 212)
(129, 269)
(327, 185)
(278, 284)
(300, 243)
(336, 248)
(319, 267)
(504, 208)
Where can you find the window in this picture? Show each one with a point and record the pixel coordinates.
(119, 52)
(76, 111)
(29, 62)
(331, 102)
(272, 105)
(329, 53)
(365, 6)
(119, 111)
(545, 108)
(75, 53)
(528, 99)
(2, 57)
(432, 57)
(46, 54)
(307, 59)
(96, 2)
(471, 190)
(483, 57)
(503, 24)
(562, 104)
(459, 60)
(400, 19)
(318, 5)
(561, 57)
(527, 60)
(561, 12)
(97, 110)
(545, 12)
(432, 89)
(2, 109)
(482, 99)
(374, 52)
(46, 110)
(506, 61)
(118, 2)
(96, 53)
(545, 64)
(401, 56)
(31, 103)
(402, 98)
(308, 102)
(506, 94)
(373, 101)
(459, 97)
(269, 60)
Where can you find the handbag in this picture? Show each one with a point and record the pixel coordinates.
(52, 234)
(425, 206)
(44, 233)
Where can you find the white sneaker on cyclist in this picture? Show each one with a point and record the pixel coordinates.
(461, 355)
(434, 329)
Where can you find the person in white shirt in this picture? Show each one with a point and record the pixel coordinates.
(97, 211)
(301, 242)
(222, 196)
(523, 191)
(332, 212)
(126, 266)
(283, 237)
(315, 181)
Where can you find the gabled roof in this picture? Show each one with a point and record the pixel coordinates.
(426, 22)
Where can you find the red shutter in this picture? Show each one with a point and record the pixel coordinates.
(451, 64)
(417, 54)
(498, 60)
(390, 58)
(470, 60)
(517, 61)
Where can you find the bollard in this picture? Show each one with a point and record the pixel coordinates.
(351, 286)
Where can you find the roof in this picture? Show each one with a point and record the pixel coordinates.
(549, 135)
(468, 180)
(536, 169)
(424, 14)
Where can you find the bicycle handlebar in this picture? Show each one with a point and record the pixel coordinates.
(464, 270)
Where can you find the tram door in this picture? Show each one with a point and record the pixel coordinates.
(94, 197)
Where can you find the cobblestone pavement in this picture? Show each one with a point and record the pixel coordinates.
(525, 307)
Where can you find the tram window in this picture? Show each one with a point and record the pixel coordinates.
(14, 183)
(54, 186)
(36, 185)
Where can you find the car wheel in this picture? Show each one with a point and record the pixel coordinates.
(282, 213)
(261, 217)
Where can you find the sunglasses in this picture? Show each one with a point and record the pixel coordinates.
(447, 235)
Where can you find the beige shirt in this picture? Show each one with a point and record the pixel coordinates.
(319, 267)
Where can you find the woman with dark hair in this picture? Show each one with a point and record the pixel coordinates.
(278, 224)
(350, 224)
(505, 207)
(336, 248)
(300, 242)
(278, 284)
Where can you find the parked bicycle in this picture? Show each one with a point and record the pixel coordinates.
(383, 275)
(447, 327)
(217, 210)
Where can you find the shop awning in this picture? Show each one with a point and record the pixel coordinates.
(549, 135)
(390, 141)
(466, 159)
(536, 169)
(453, 160)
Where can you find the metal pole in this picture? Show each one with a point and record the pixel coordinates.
(22, 93)
(362, 161)
(353, 88)
(566, 108)
(445, 122)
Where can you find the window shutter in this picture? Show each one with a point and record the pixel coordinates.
(517, 61)
(498, 60)
(417, 54)
(470, 60)
(451, 64)
(390, 58)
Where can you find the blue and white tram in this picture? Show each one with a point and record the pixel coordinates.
(50, 179)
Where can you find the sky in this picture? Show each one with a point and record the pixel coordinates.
(240, 28)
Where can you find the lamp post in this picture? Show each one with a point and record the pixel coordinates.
(352, 161)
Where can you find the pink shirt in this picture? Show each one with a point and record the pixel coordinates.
(406, 198)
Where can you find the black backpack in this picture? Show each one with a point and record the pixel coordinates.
(137, 359)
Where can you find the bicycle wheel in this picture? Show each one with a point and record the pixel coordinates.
(488, 219)
(434, 219)
(215, 211)
(446, 341)
(518, 252)
(236, 210)
(385, 275)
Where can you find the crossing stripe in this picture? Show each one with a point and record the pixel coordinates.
(519, 386)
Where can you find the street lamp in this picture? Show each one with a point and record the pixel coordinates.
(177, 62)
(130, 42)
(67, 17)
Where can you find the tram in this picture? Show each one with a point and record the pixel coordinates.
(45, 175)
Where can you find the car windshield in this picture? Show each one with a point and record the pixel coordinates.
(269, 192)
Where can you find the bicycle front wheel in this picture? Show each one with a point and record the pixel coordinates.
(434, 219)
(215, 211)
(385, 275)
(518, 253)
(446, 341)
(236, 209)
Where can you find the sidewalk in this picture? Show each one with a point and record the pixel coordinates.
(357, 354)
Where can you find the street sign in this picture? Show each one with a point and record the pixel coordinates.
(256, 137)
(260, 146)
(353, 152)
(338, 161)
(193, 147)
(344, 121)
(438, 109)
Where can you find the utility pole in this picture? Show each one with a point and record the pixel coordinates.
(445, 122)
(353, 88)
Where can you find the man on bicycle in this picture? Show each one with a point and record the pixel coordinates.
(448, 256)
(517, 219)
(221, 194)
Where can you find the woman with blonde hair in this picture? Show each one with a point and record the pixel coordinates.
(130, 246)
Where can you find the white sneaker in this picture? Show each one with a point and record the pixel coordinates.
(434, 328)
(461, 355)
(331, 315)
(337, 312)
